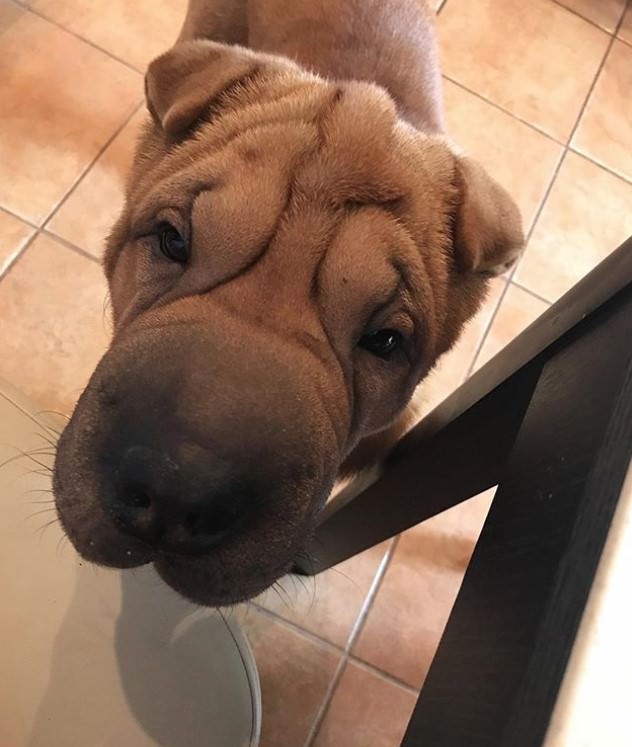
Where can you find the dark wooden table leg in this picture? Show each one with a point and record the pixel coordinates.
(465, 458)
(496, 675)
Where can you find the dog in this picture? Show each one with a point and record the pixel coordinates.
(299, 244)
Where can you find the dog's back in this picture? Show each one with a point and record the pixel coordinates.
(389, 43)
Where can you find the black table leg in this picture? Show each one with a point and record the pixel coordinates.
(496, 674)
(465, 458)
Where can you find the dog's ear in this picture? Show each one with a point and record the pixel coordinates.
(186, 82)
(488, 235)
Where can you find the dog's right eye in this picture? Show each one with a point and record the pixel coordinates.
(382, 343)
(172, 244)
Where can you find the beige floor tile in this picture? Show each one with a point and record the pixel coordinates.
(88, 214)
(413, 604)
(52, 328)
(605, 13)
(366, 709)
(60, 106)
(518, 309)
(605, 131)
(13, 236)
(534, 59)
(625, 30)
(587, 215)
(327, 605)
(135, 32)
(453, 367)
(295, 673)
(520, 158)
(10, 12)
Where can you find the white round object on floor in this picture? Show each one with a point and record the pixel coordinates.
(100, 658)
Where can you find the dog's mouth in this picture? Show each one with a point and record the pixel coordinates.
(240, 565)
(215, 557)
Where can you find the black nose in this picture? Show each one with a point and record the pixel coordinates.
(184, 508)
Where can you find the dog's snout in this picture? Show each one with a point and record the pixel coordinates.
(185, 509)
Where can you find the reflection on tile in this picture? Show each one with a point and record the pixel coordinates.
(625, 30)
(605, 131)
(518, 309)
(52, 328)
(88, 214)
(60, 106)
(520, 158)
(414, 601)
(453, 367)
(366, 709)
(13, 236)
(542, 76)
(135, 32)
(605, 13)
(295, 673)
(328, 604)
(588, 214)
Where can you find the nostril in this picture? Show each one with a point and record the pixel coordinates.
(191, 521)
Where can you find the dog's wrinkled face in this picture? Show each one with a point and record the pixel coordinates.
(291, 261)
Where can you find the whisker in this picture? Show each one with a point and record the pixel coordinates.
(51, 442)
(44, 527)
(23, 455)
(54, 412)
(29, 455)
(42, 472)
(28, 415)
(62, 543)
(39, 513)
(38, 490)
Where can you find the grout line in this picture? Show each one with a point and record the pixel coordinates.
(43, 232)
(502, 109)
(10, 212)
(43, 228)
(567, 148)
(488, 326)
(296, 628)
(362, 664)
(603, 166)
(592, 86)
(357, 628)
(315, 637)
(117, 131)
(534, 223)
(579, 15)
(18, 254)
(530, 292)
(371, 594)
(69, 245)
(92, 44)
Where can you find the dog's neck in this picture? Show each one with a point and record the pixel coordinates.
(390, 43)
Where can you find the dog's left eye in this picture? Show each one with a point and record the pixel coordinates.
(172, 244)
(382, 343)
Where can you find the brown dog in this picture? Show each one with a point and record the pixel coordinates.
(298, 247)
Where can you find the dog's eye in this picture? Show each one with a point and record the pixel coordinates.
(172, 245)
(383, 342)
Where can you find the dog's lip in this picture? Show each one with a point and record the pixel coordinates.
(175, 575)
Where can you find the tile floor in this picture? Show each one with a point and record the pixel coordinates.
(539, 91)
